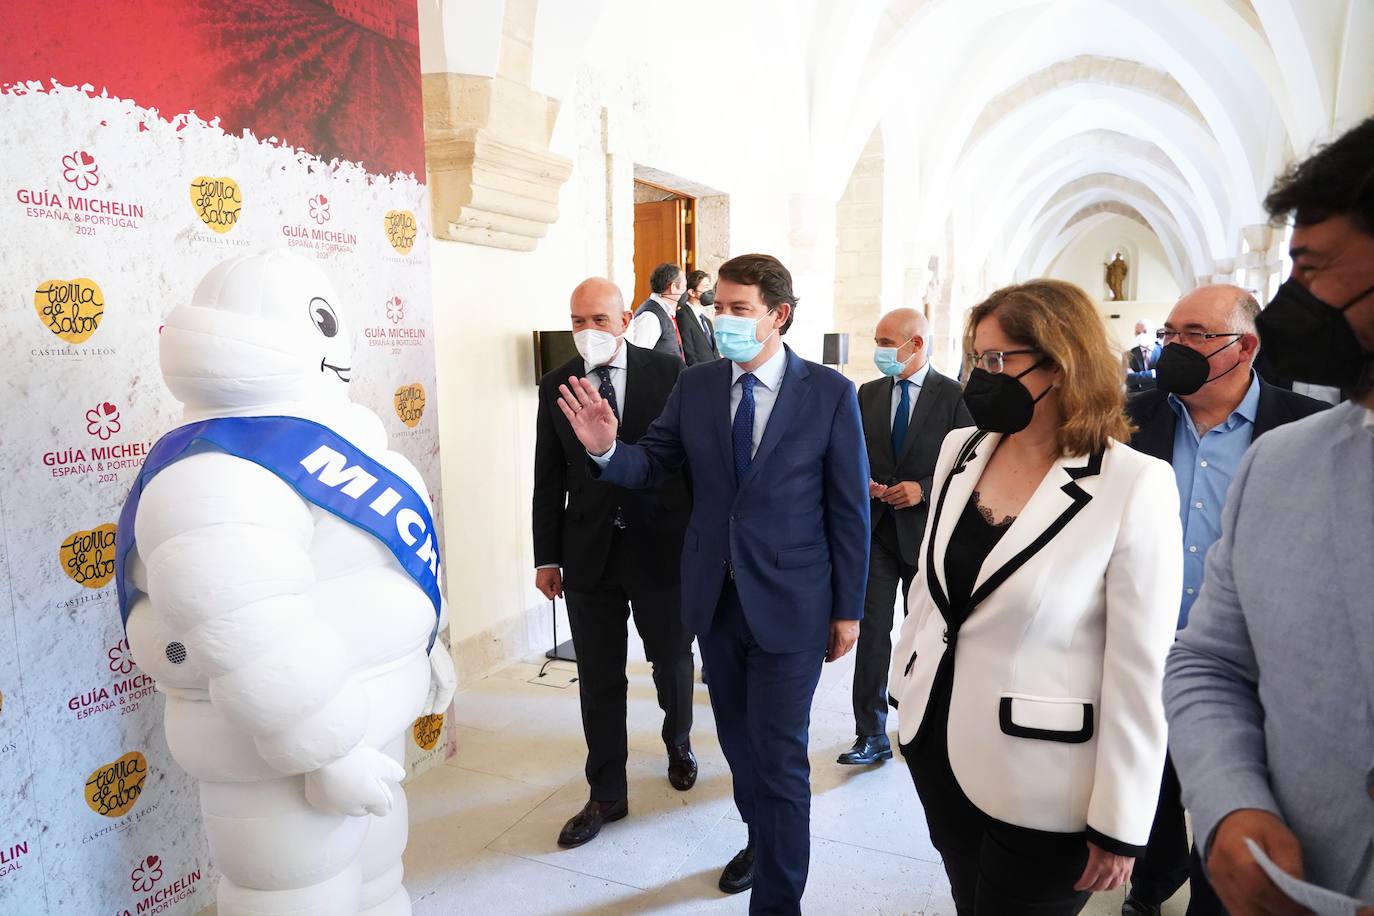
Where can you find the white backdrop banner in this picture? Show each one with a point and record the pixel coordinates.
(145, 142)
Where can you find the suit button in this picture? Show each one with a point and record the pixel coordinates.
(944, 636)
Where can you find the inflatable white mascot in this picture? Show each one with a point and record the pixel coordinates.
(282, 587)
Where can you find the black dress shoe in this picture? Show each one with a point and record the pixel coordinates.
(682, 767)
(1133, 907)
(867, 749)
(587, 823)
(739, 874)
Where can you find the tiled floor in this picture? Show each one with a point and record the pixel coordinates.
(484, 824)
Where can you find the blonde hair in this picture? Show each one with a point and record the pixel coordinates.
(1060, 321)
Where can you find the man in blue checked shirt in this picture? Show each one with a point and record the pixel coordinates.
(1208, 407)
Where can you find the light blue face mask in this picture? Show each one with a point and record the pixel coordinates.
(885, 358)
(737, 338)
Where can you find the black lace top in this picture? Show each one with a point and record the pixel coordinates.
(974, 536)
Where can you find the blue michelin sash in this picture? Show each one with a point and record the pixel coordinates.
(325, 469)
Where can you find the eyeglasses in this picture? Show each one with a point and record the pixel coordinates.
(1193, 338)
(993, 361)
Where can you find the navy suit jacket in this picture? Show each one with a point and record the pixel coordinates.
(795, 530)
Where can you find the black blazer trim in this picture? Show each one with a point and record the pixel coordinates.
(1081, 736)
(966, 454)
(1113, 845)
(1080, 499)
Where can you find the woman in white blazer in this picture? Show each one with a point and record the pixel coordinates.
(1029, 670)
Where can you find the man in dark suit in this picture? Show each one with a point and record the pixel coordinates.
(775, 555)
(1141, 359)
(1208, 408)
(655, 325)
(608, 551)
(698, 333)
(906, 416)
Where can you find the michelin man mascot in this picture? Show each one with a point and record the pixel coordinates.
(282, 586)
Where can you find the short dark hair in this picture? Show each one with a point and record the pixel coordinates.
(1337, 180)
(664, 276)
(767, 273)
(695, 277)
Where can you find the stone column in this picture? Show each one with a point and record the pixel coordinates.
(859, 258)
(492, 179)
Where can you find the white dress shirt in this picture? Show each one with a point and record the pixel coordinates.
(618, 375)
(918, 378)
(646, 329)
(768, 382)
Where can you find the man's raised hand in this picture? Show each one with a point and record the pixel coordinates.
(591, 417)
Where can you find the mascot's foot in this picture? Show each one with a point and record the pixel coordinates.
(339, 894)
(398, 904)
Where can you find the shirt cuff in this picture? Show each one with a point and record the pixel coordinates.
(602, 461)
(548, 565)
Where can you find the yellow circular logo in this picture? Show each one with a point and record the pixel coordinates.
(113, 789)
(427, 730)
(71, 309)
(217, 201)
(400, 229)
(89, 556)
(410, 403)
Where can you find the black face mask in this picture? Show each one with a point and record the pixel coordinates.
(1000, 403)
(708, 298)
(1309, 340)
(1183, 370)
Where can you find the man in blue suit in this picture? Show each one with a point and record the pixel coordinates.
(776, 553)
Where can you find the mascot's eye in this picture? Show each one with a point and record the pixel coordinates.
(322, 313)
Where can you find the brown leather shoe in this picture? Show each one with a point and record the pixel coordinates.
(587, 823)
(682, 767)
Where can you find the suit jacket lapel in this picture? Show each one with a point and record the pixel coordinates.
(718, 396)
(1052, 506)
(1269, 413)
(633, 417)
(877, 416)
(791, 399)
(1156, 436)
(954, 494)
(1350, 549)
(925, 403)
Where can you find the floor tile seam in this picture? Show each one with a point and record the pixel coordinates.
(889, 852)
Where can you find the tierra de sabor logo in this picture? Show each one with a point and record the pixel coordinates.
(71, 309)
(217, 201)
(427, 729)
(114, 788)
(410, 404)
(88, 557)
(400, 229)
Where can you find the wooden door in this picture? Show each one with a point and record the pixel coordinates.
(659, 239)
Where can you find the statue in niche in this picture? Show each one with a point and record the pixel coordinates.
(1117, 269)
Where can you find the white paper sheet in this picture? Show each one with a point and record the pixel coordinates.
(1319, 900)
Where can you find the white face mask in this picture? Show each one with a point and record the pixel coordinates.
(1145, 339)
(596, 347)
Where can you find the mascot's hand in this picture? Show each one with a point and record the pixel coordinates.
(356, 784)
(442, 680)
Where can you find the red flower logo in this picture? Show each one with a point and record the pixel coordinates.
(146, 874)
(103, 420)
(319, 209)
(395, 310)
(121, 662)
(80, 169)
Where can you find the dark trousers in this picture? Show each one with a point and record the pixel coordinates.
(762, 705)
(600, 637)
(994, 868)
(1168, 860)
(873, 654)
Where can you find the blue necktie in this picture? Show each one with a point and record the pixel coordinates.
(606, 389)
(899, 422)
(743, 431)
